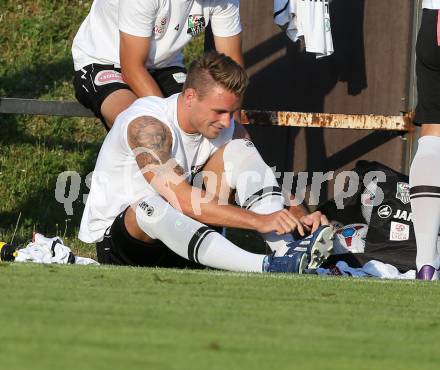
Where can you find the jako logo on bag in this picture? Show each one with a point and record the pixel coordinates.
(402, 215)
(384, 211)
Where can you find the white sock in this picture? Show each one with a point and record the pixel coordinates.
(256, 186)
(424, 181)
(191, 239)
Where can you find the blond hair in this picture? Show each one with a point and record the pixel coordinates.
(217, 68)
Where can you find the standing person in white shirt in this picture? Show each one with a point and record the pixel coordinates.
(145, 210)
(424, 174)
(127, 49)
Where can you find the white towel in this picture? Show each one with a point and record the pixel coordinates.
(50, 250)
(309, 19)
(387, 271)
(342, 269)
(370, 269)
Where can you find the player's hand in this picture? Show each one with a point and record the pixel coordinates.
(281, 222)
(313, 220)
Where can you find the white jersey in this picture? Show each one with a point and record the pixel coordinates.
(431, 4)
(171, 24)
(117, 181)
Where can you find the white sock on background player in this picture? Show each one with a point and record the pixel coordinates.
(256, 187)
(191, 239)
(424, 180)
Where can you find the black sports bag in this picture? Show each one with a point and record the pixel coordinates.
(385, 207)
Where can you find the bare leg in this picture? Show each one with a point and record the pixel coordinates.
(115, 103)
(430, 130)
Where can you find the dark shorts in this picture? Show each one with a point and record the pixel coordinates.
(120, 248)
(95, 82)
(428, 70)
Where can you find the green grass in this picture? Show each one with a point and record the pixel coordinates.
(134, 318)
(35, 62)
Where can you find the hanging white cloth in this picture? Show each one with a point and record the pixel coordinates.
(308, 19)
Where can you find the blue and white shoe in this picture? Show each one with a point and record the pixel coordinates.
(427, 272)
(318, 246)
(294, 262)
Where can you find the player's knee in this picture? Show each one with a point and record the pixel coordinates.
(238, 148)
(115, 103)
(239, 156)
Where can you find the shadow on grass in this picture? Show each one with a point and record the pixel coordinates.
(40, 211)
(37, 204)
(38, 79)
(57, 133)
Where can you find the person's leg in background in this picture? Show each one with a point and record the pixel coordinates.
(101, 89)
(170, 81)
(425, 168)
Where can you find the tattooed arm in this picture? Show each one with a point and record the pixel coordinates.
(151, 142)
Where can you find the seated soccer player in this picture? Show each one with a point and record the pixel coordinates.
(144, 210)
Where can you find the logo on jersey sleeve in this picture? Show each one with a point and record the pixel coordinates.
(160, 26)
(196, 24)
(402, 192)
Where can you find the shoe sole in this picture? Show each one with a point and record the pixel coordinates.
(322, 248)
(303, 263)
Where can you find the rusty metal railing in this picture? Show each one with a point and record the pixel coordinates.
(328, 120)
(294, 119)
